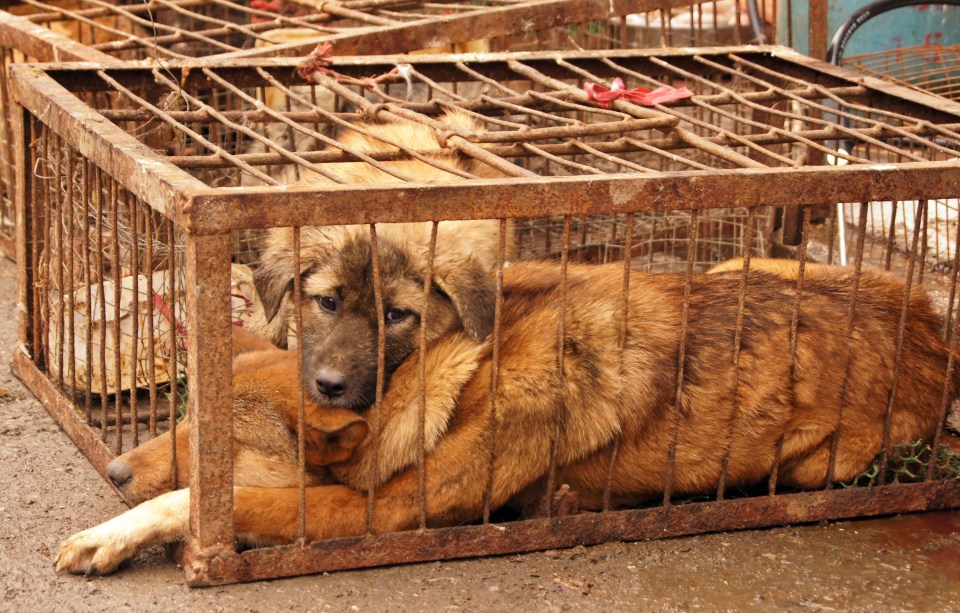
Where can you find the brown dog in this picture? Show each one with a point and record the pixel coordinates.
(339, 311)
(604, 397)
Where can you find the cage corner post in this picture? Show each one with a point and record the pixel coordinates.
(22, 222)
(210, 544)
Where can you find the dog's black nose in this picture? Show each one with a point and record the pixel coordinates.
(119, 472)
(331, 383)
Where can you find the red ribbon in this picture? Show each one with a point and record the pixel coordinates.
(641, 95)
(319, 60)
(170, 315)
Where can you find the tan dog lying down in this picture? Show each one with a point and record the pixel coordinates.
(605, 401)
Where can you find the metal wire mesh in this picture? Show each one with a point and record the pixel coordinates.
(934, 69)
(109, 296)
(669, 187)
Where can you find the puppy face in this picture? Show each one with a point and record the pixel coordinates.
(338, 302)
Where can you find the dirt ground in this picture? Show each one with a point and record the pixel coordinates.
(49, 491)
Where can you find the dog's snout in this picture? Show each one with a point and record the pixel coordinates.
(331, 383)
(119, 472)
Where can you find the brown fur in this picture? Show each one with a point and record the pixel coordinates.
(336, 263)
(601, 400)
(245, 341)
(788, 269)
(265, 410)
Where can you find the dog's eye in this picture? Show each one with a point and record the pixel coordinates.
(327, 303)
(394, 316)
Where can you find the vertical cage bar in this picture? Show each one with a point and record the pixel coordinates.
(102, 300)
(70, 248)
(11, 144)
(422, 382)
(135, 315)
(88, 259)
(794, 337)
(55, 255)
(621, 347)
(31, 214)
(45, 263)
(173, 376)
(681, 359)
(737, 342)
(495, 371)
(381, 367)
(851, 321)
(301, 390)
(27, 243)
(888, 253)
(210, 390)
(919, 223)
(925, 244)
(115, 190)
(148, 237)
(561, 375)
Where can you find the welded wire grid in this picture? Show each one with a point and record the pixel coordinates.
(934, 69)
(751, 111)
(107, 294)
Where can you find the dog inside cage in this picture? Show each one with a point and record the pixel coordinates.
(502, 301)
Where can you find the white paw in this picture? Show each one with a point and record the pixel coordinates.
(102, 549)
(97, 551)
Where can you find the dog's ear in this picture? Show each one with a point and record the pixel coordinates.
(332, 435)
(472, 291)
(272, 285)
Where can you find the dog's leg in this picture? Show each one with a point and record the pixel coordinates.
(456, 478)
(101, 549)
(264, 515)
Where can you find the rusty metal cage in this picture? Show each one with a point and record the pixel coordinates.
(582, 181)
(931, 68)
(99, 31)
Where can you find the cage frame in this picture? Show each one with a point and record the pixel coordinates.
(208, 214)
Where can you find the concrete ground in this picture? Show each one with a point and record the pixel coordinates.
(48, 491)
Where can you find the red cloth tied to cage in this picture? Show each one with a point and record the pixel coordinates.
(319, 60)
(641, 95)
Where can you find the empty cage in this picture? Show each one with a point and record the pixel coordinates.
(660, 193)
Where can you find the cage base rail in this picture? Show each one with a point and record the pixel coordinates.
(218, 566)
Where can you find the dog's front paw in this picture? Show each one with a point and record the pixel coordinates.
(102, 549)
(93, 552)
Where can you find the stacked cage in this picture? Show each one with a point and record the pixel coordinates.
(134, 179)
